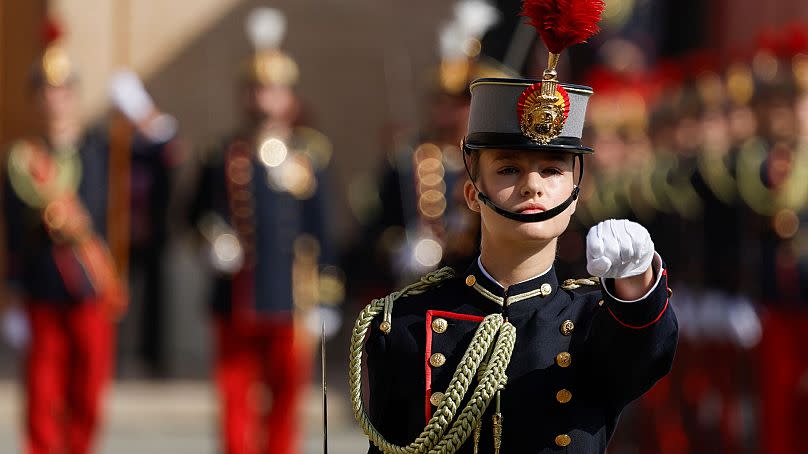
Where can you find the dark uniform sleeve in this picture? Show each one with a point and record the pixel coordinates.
(14, 213)
(316, 213)
(380, 400)
(633, 343)
(202, 198)
(155, 162)
(143, 144)
(318, 222)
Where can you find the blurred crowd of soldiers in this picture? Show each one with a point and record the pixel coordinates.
(711, 152)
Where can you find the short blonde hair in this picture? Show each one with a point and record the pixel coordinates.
(473, 164)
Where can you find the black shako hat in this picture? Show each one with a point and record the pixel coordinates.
(508, 114)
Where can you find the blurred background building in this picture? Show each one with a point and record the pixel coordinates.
(700, 127)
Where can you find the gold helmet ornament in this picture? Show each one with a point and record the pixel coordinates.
(266, 28)
(54, 68)
(544, 106)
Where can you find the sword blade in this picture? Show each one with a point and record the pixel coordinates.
(325, 391)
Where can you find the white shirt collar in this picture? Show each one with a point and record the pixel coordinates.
(491, 278)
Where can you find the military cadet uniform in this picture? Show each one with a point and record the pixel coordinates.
(284, 241)
(70, 305)
(57, 212)
(580, 356)
(262, 206)
(457, 363)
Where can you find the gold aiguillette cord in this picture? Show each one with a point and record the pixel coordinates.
(497, 422)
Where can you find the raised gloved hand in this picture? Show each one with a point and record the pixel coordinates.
(127, 93)
(618, 248)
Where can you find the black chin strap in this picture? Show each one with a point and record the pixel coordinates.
(533, 217)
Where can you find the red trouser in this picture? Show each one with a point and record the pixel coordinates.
(784, 381)
(247, 358)
(68, 366)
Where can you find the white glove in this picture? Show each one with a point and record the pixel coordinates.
(15, 327)
(127, 93)
(161, 128)
(323, 316)
(618, 248)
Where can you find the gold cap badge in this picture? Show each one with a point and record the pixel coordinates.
(542, 115)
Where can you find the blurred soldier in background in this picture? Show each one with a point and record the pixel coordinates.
(422, 221)
(261, 206)
(65, 210)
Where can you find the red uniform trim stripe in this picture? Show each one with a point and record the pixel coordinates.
(428, 351)
(665, 308)
(467, 317)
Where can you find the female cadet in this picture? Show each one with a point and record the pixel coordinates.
(505, 358)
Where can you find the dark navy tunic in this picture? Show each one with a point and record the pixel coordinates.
(31, 265)
(617, 351)
(279, 219)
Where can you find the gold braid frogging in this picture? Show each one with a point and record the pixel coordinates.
(489, 353)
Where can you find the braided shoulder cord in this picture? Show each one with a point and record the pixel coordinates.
(493, 341)
(572, 284)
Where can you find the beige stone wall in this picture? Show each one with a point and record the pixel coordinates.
(90, 41)
(145, 35)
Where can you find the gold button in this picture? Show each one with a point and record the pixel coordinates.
(471, 280)
(600, 303)
(670, 292)
(546, 289)
(385, 327)
(567, 327)
(563, 440)
(563, 359)
(439, 325)
(437, 359)
(563, 396)
(436, 398)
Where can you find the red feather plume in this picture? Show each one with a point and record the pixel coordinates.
(51, 31)
(563, 23)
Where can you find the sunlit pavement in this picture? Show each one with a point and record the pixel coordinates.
(180, 417)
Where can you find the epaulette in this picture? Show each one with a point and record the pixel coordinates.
(425, 283)
(29, 189)
(572, 284)
(314, 145)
